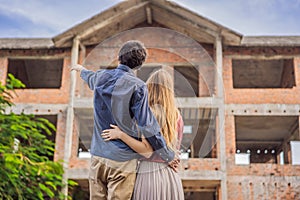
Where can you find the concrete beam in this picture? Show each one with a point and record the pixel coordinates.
(261, 57)
(201, 175)
(265, 179)
(182, 24)
(262, 109)
(37, 109)
(118, 17)
(149, 15)
(199, 102)
(258, 142)
(189, 102)
(199, 189)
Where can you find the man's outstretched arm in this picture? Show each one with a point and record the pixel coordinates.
(77, 67)
(88, 76)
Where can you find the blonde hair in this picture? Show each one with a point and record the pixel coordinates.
(162, 103)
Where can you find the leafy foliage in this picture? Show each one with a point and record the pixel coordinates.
(25, 170)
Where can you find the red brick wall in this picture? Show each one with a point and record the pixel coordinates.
(51, 96)
(263, 187)
(155, 56)
(258, 181)
(259, 96)
(255, 181)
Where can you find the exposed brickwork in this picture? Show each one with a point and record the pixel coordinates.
(156, 56)
(263, 187)
(258, 181)
(201, 164)
(259, 96)
(254, 181)
(60, 136)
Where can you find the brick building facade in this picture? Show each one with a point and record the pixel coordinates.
(239, 96)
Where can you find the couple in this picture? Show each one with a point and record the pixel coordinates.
(133, 121)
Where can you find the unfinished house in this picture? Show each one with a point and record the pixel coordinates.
(239, 96)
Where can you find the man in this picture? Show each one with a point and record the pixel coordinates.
(120, 98)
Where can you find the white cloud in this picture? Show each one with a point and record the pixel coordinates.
(34, 11)
(56, 15)
(255, 17)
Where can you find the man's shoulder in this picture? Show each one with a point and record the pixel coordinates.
(106, 71)
(139, 81)
(107, 74)
(133, 80)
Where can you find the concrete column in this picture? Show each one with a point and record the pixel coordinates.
(3, 69)
(70, 115)
(221, 113)
(287, 153)
(299, 128)
(219, 67)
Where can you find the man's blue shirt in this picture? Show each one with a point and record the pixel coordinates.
(120, 98)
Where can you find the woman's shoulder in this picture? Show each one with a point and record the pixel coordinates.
(179, 117)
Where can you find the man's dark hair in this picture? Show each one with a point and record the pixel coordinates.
(132, 54)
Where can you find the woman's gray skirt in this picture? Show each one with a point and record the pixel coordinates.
(157, 181)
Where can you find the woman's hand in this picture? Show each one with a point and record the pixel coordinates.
(141, 147)
(112, 134)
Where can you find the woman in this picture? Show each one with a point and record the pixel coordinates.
(155, 180)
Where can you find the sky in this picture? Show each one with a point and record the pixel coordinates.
(48, 18)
